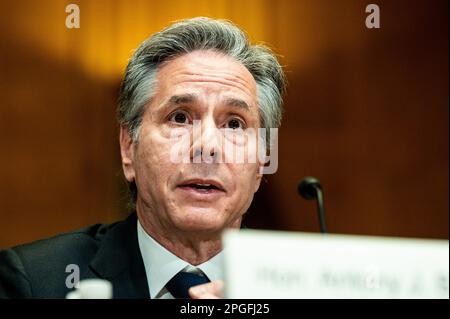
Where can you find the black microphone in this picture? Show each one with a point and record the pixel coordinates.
(310, 188)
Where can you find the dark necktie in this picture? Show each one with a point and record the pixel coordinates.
(179, 285)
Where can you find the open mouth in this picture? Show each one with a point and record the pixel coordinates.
(202, 187)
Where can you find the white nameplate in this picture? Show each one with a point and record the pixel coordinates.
(273, 264)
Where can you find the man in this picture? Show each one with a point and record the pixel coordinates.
(196, 80)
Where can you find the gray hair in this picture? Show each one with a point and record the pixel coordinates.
(191, 35)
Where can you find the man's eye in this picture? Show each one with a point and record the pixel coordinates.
(235, 124)
(180, 118)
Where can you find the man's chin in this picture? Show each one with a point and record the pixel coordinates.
(201, 219)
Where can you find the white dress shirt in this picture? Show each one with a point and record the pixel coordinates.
(161, 265)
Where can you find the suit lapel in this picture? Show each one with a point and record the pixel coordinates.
(119, 260)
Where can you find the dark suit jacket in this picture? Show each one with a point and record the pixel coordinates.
(38, 270)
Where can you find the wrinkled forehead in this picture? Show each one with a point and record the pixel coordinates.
(207, 70)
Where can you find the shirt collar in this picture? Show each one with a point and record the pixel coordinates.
(161, 265)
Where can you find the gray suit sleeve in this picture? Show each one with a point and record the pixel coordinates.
(13, 279)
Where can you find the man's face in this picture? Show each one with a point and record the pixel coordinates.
(219, 92)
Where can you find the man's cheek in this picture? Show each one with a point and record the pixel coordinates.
(157, 150)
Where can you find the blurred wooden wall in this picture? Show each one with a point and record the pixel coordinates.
(366, 112)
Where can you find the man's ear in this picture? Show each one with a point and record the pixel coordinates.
(127, 153)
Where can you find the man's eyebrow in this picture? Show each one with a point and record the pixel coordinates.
(182, 99)
(237, 103)
(193, 98)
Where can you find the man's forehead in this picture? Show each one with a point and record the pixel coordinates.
(207, 70)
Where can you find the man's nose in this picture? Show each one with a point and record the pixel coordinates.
(207, 141)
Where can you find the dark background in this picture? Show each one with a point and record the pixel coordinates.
(366, 112)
